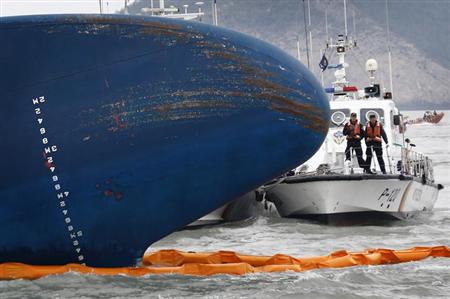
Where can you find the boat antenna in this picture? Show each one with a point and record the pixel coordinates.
(354, 25)
(297, 25)
(389, 46)
(100, 6)
(213, 13)
(306, 33)
(309, 30)
(215, 21)
(345, 18)
(125, 9)
(326, 23)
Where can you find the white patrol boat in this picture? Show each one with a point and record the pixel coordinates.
(333, 190)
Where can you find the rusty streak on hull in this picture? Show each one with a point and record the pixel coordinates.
(194, 105)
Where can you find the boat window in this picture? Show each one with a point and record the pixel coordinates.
(365, 113)
(338, 117)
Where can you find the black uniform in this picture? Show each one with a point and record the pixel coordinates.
(354, 142)
(377, 147)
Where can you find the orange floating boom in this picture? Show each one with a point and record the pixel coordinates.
(229, 262)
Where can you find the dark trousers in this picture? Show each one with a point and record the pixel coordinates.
(356, 145)
(378, 151)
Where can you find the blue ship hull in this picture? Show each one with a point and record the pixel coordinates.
(119, 130)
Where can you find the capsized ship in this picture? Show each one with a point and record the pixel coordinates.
(119, 130)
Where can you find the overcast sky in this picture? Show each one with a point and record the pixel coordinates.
(33, 7)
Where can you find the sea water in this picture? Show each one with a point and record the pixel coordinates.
(423, 279)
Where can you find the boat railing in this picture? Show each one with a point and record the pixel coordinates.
(416, 164)
(411, 163)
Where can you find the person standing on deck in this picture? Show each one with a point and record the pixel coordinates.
(374, 133)
(354, 132)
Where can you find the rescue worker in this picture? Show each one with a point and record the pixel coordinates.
(355, 132)
(374, 133)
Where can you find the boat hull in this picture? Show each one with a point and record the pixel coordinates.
(119, 130)
(432, 119)
(245, 207)
(353, 199)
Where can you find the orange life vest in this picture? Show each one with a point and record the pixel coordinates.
(374, 133)
(354, 129)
